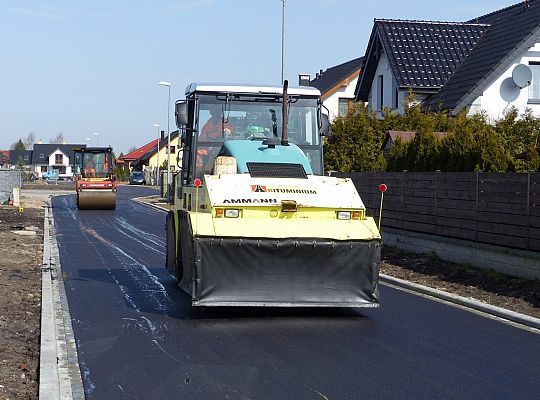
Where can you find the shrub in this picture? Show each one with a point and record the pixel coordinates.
(471, 143)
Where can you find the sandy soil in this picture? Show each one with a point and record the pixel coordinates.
(20, 301)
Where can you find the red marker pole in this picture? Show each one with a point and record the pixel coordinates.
(382, 188)
(198, 184)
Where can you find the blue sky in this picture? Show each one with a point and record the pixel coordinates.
(79, 67)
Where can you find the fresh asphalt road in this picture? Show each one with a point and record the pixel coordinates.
(139, 338)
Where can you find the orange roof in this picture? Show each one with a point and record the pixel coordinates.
(141, 151)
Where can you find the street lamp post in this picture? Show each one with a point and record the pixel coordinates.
(168, 85)
(158, 137)
(97, 138)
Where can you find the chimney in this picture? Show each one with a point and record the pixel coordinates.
(162, 135)
(304, 79)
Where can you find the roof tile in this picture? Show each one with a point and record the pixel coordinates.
(332, 76)
(510, 27)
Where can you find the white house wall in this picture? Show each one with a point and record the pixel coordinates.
(502, 94)
(332, 102)
(65, 163)
(383, 68)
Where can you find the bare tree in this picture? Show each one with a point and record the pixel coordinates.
(29, 140)
(131, 149)
(58, 139)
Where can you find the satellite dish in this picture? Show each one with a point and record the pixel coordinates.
(522, 76)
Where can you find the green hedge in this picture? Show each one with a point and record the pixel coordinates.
(472, 142)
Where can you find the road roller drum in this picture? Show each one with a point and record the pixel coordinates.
(96, 200)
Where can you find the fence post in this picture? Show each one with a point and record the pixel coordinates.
(437, 172)
(476, 206)
(403, 196)
(528, 209)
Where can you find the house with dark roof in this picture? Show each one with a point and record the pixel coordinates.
(488, 64)
(20, 157)
(337, 85)
(48, 157)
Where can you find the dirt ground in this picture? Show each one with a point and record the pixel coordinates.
(20, 289)
(519, 295)
(20, 300)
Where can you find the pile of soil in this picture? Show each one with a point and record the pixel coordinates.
(519, 295)
(20, 301)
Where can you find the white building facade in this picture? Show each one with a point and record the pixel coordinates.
(502, 93)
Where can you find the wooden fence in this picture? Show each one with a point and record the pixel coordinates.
(495, 208)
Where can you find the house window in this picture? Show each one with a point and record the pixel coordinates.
(172, 149)
(58, 159)
(534, 87)
(343, 107)
(43, 168)
(25, 158)
(395, 99)
(380, 92)
(41, 155)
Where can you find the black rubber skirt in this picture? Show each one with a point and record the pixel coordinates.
(291, 272)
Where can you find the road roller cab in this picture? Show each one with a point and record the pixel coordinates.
(255, 221)
(96, 184)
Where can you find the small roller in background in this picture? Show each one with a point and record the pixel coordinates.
(96, 183)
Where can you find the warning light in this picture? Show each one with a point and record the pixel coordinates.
(197, 182)
(383, 187)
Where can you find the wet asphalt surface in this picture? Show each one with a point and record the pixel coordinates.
(138, 336)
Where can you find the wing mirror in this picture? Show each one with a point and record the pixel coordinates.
(325, 125)
(181, 113)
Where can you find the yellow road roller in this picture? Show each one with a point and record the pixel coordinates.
(96, 184)
(255, 220)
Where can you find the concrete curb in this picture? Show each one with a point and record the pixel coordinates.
(144, 203)
(463, 301)
(59, 371)
(48, 368)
